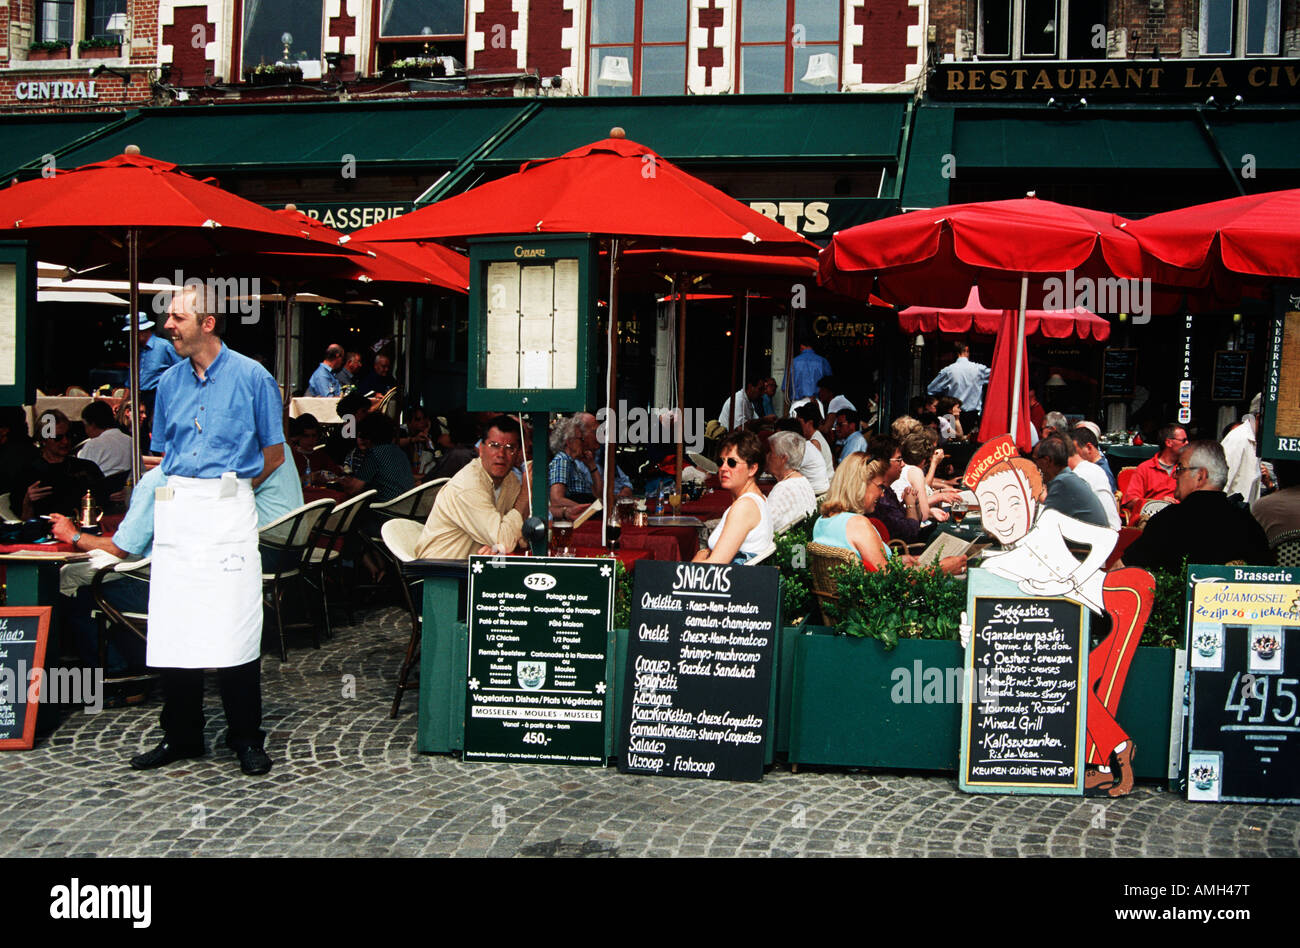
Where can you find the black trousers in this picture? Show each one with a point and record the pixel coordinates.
(241, 695)
(970, 424)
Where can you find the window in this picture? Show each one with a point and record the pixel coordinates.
(54, 19)
(98, 13)
(789, 46)
(1042, 29)
(270, 27)
(1240, 27)
(421, 18)
(637, 47)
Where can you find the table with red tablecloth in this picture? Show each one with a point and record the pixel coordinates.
(663, 543)
(627, 557)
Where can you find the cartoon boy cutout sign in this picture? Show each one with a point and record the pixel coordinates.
(1035, 555)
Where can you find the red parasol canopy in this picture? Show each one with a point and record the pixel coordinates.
(975, 318)
(613, 187)
(1248, 237)
(998, 400)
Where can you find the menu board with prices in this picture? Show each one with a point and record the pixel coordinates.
(538, 644)
(1119, 373)
(1228, 383)
(529, 316)
(1243, 735)
(697, 698)
(1023, 721)
(23, 634)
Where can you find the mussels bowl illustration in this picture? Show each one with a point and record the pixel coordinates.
(1203, 777)
(1266, 646)
(1207, 643)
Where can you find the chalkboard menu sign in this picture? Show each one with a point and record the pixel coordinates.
(538, 636)
(1229, 382)
(1119, 373)
(1243, 736)
(1023, 719)
(23, 633)
(698, 693)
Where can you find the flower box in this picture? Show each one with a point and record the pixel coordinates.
(100, 52)
(274, 77)
(42, 54)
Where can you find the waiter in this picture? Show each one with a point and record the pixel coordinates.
(157, 355)
(217, 422)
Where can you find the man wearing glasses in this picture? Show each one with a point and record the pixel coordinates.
(1154, 477)
(1204, 527)
(54, 481)
(482, 508)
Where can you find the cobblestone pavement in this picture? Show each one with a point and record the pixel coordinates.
(347, 781)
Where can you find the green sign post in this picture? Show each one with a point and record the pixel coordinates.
(17, 290)
(538, 653)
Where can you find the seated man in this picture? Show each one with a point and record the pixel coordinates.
(1067, 492)
(379, 380)
(1089, 448)
(455, 447)
(108, 447)
(385, 467)
(342, 445)
(304, 436)
(324, 383)
(741, 405)
(1279, 512)
(850, 435)
(54, 482)
(1204, 526)
(482, 508)
(1154, 477)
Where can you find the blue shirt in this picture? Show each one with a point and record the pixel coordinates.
(621, 480)
(220, 423)
(854, 443)
(323, 384)
(576, 478)
(963, 380)
(157, 356)
(1104, 464)
(806, 370)
(276, 496)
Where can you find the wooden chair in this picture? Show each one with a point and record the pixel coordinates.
(284, 545)
(765, 555)
(326, 553)
(824, 562)
(1286, 548)
(400, 537)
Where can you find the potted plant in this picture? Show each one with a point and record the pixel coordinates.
(48, 49)
(99, 47)
(882, 688)
(274, 74)
(416, 67)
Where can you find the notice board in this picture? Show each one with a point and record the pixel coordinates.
(1119, 373)
(1022, 726)
(23, 635)
(1229, 381)
(539, 632)
(1243, 735)
(1279, 424)
(698, 693)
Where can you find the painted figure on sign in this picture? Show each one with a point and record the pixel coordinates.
(1036, 555)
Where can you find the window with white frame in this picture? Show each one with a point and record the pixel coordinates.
(1042, 29)
(789, 45)
(54, 21)
(282, 31)
(412, 18)
(1240, 27)
(69, 21)
(637, 47)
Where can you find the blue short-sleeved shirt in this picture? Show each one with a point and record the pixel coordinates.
(279, 494)
(323, 384)
(220, 423)
(135, 533)
(157, 356)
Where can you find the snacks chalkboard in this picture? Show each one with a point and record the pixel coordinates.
(1119, 373)
(23, 634)
(1023, 717)
(538, 641)
(1243, 736)
(1229, 382)
(698, 695)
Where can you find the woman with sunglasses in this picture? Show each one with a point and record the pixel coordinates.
(855, 488)
(745, 531)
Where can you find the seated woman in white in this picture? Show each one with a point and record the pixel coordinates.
(793, 498)
(745, 531)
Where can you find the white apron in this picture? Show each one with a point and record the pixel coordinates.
(205, 586)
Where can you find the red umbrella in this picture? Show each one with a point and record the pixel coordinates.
(97, 213)
(972, 317)
(613, 187)
(1002, 397)
(1252, 237)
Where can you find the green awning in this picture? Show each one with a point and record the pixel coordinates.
(1273, 139)
(925, 183)
(790, 129)
(1047, 138)
(314, 136)
(26, 139)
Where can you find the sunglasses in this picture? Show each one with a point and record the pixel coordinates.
(730, 462)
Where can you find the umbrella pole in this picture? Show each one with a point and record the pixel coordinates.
(1020, 357)
(735, 346)
(681, 381)
(133, 274)
(611, 429)
(288, 342)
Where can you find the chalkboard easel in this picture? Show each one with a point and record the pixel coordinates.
(24, 632)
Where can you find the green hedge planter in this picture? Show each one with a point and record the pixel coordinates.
(843, 712)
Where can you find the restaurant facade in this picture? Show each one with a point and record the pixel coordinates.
(819, 113)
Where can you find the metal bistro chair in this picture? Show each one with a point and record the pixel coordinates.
(135, 623)
(388, 404)
(415, 504)
(326, 552)
(400, 537)
(7, 512)
(1286, 548)
(823, 562)
(284, 545)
